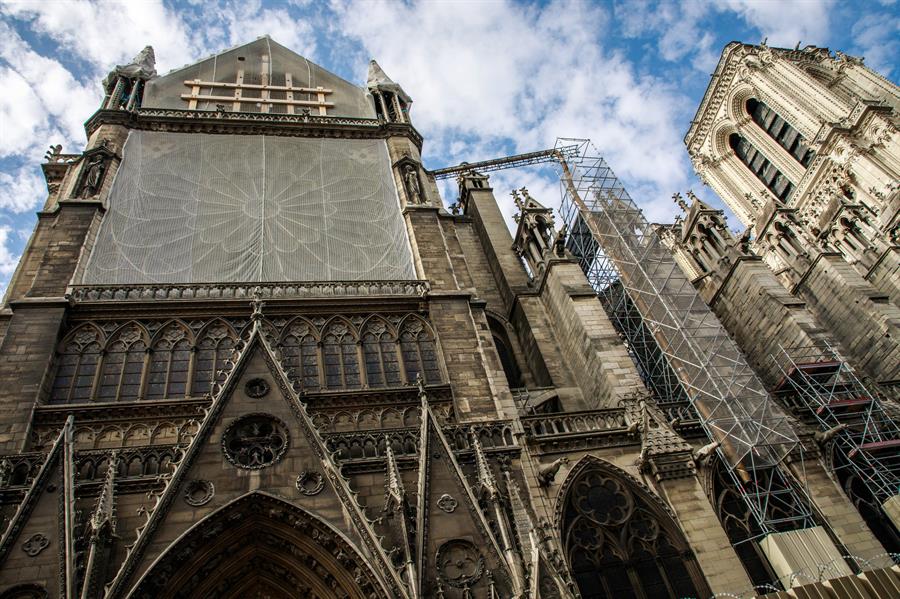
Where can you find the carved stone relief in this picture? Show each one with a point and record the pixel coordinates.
(459, 564)
(255, 441)
(198, 492)
(256, 388)
(310, 482)
(35, 544)
(447, 503)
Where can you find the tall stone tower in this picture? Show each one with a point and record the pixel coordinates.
(248, 353)
(803, 146)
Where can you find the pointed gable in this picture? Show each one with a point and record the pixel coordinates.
(245, 71)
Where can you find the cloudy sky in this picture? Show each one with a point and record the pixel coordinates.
(488, 78)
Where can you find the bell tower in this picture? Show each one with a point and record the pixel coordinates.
(802, 145)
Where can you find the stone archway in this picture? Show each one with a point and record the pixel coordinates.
(260, 546)
(620, 541)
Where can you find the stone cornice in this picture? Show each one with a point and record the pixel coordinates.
(252, 123)
(245, 292)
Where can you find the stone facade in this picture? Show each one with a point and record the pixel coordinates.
(481, 431)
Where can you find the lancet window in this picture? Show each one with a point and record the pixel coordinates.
(170, 357)
(764, 170)
(419, 353)
(620, 545)
(340, 357)
(740, 525)
(181, 361)
(122, 365)
(379, 345)
(215, 345)
(77, 368)
(781, 131)
(299, 348)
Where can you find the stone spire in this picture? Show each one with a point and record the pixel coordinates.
(391, 102)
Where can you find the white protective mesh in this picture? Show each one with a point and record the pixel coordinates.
(196, 208)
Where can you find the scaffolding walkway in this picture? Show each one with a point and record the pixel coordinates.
(644, 290)
(867, 439)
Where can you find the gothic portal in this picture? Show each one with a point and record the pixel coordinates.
(249, 353)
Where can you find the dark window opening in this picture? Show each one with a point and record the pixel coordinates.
(618, 545)
(781, 131)
(764, 170)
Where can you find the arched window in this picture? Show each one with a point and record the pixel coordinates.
(300, 351)
(380, 354)
(169, 363)
(77, 369)
(619, 544)
(866, 502)
(741, 526)
(780, 130)
(505, 352)
(764, 170)
(340, 357)
(215, 345)
(123, 365)
(419, 352)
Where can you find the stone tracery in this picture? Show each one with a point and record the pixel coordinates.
(619, 544)
(176, 360)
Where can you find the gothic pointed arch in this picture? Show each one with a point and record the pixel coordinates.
(620, 540)
(299, 345)
(170, 359)
(214, 346)
(123, 362)
(418, 348)
(340, 356)
(739, 524)
(505, 350)
(380, 353)
(257, 543)
(76, 371)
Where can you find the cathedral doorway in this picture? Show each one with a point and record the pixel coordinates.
(259, 547)
(620, 542)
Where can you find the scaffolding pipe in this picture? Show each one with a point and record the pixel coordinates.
(733, 406)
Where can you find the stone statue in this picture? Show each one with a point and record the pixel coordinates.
(93, 177)
(413, 190)
(52, 154)
(559, 244)
(547, 473)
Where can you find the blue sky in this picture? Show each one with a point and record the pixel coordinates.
(488, 78)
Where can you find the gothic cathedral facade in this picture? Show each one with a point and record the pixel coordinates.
(247, 352)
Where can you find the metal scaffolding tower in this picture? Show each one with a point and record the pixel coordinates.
(867, 439)
(620, 251)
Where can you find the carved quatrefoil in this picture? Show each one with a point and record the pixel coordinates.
(35, 544)
(255, 441)
(447, 503)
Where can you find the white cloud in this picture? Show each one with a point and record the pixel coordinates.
(521, 76)
(248, 20)
(8, 260)
(786, 23)
(878, 38)
(105, 33)
(21, 191)
(22, 118)
(59, 94)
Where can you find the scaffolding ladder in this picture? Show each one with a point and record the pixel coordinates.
(866, 437)
(646, 292)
